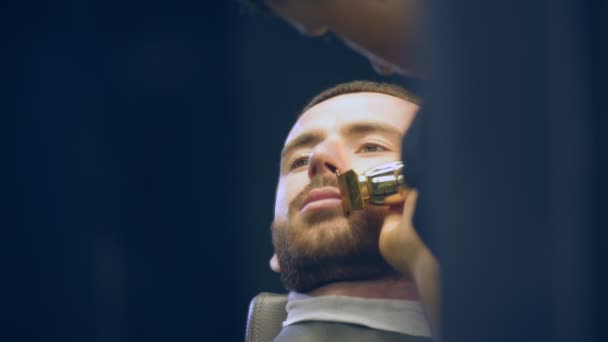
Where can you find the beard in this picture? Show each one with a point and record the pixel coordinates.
(324, 246)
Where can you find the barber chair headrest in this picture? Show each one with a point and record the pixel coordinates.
(266, 316)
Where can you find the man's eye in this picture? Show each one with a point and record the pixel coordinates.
(300, 162)
(370, 148)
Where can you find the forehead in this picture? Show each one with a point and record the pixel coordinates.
(342, 110)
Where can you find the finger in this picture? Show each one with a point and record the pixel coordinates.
(410, 204)
(393, 219)
(396, 209)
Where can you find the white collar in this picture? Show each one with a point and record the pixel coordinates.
(400, 316)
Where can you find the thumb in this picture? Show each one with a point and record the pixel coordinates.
(402, 211)
(398, 241)
(410, 205)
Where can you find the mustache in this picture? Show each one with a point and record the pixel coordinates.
(317, 182)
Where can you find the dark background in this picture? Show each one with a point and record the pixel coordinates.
(142, 142)
(143, 163)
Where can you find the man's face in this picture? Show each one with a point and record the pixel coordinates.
(315, 241)
(385, 32)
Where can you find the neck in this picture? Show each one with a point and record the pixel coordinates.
(391, 287)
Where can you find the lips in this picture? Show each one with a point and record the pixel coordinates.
(322, 197)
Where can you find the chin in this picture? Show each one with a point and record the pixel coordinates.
(320, 217)
(329, 237)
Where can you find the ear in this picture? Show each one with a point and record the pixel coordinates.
(274, 263)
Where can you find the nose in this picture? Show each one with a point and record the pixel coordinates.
(328, 157)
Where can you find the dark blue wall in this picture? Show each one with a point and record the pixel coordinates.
(142, 161)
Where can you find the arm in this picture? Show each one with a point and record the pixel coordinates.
(401, 246)
(389, 32)
(386, 32)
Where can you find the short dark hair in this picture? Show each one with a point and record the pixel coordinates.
(362, 87)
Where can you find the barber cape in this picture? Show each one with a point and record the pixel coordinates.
(342, 318)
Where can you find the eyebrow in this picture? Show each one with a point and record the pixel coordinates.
(306, 139)
(366, 127)
(314, 137)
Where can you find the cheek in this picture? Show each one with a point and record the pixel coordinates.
(280, 206)
(289, 187)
